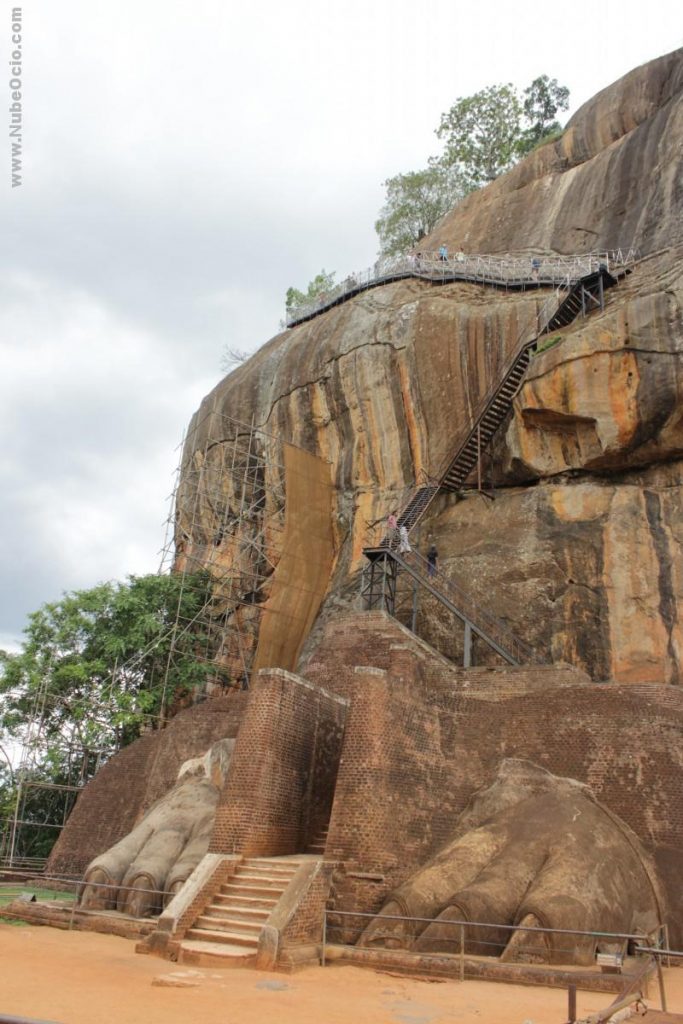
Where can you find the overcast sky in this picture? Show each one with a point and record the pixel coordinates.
(184, 163)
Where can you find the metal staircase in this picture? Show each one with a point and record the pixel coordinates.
(570, 300)
(585, 295)
(380, 592)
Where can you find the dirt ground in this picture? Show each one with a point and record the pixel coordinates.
(84, 978)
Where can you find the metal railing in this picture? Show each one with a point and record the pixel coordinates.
(515, 271)
(532, 328)
(78, 885)
(377, 537)
(490, 627)
(22, 863)
(648, 942)
(5, 1019)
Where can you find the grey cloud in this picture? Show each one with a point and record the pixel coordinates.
(184, 166)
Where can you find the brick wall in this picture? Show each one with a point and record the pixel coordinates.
(378, 640)
(421, 737)
(281, 781)
(306, 924)
(128, 784)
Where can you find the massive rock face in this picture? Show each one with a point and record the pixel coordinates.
(613, 178)
(581, 549)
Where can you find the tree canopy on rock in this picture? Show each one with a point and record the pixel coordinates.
(484, 135)
(414, 203)
(321, 283)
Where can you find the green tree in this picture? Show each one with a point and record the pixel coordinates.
(482, 133)
(414, 203)
(542, 101)
(96, 667)
(321, 283)
(106, 660)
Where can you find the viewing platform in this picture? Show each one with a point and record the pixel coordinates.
(509, 272)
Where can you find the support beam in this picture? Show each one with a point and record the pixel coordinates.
(467, 647)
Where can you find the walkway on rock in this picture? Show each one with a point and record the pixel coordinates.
(379, 586)
(509, 272)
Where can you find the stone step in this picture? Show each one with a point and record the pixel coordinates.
(271, 870)
(237, 913)
(278, 863)
(239, 901)
(229, 924)
(224, 954)
(257, 891)
(231, 938)
(264, 881)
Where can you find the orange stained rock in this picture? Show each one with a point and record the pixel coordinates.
(580, 502)
(587, 401)
(414, 434)
(639, 638)
(622, 389)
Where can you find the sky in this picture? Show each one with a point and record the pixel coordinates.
(183, 165)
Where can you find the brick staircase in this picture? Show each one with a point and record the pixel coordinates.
(230, 926)
(318, 842)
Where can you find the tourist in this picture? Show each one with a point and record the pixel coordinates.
(404, 547)
(432, 556)
(535, 267)
(443, 252)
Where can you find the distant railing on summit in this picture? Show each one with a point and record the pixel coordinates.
(501, 271)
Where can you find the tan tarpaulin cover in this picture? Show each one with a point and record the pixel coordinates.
(302, 575)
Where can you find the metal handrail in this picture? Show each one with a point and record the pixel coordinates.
(535, 323)
(532, 329)
(530, 332)
(462, 926)
(506, 270)
(85, 882)
(478, 616)
(498, 926)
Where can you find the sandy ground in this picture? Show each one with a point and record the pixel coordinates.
(84, 978)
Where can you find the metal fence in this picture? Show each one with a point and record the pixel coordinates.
(501, 271)
(70, 890)
(638, 943)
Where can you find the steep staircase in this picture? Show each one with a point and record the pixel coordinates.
(585, 295)
(567, 302)
(318, 842)
(230, 926)
(564, 305)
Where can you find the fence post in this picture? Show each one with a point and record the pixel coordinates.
(666, 942)
(467, 647)
(571, 1004)
(322, 957)
(462, 952)
(660, 979)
